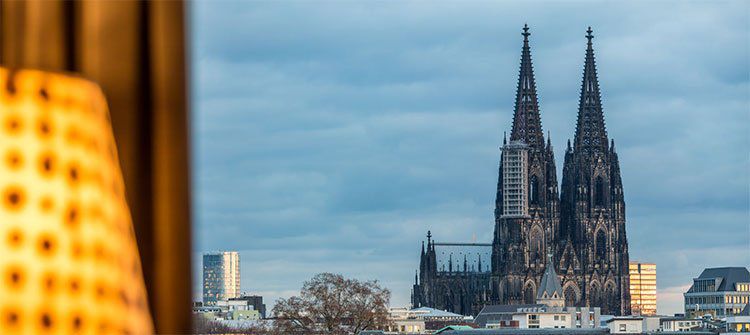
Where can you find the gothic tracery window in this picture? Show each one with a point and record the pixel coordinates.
(601, 245)
(570, 296)
(528, 295)
(595, 296)
(534, 190)
(536, 249)
(599, 192)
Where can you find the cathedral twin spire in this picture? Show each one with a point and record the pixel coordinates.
(591, 132)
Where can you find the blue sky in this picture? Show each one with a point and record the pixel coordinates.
(330, 136)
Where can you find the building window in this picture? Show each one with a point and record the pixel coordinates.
(534, 190)
(601, 245)
(599, 192)
(571, 299)
(536, 251)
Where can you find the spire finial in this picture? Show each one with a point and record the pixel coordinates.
(549, 255)
(549, 139)
(589, 35)
(525, 32)
(429, 237)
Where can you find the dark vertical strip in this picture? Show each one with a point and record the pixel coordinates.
(69, 31)
(2, 32)
(145, 110)
(171, 149)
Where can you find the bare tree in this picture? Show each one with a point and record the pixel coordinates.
(332, 304)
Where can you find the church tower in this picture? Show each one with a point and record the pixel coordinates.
(527, 201)
(593, 252)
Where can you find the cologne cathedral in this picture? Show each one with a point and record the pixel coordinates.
(581, 223)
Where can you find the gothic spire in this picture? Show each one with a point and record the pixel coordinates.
(591, 132)
(527, 124)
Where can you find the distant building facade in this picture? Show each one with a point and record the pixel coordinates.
(643, 288)
(719, 292)
(255, 301)
(221, 276)
(404, 321)
(739, 323)
(582, 223)
(625, 325)
(422, 320)
(675, 324)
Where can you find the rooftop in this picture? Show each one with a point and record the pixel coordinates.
(496, 310)
(504, 309)
(550, 283)
(478, 256)
(729, 276)
(624, 318)
(432, 312)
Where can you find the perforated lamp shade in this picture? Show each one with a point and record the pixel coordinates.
(69, 262)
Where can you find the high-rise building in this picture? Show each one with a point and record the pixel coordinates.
(720, 292)
(221, 276)
(582, 223)
(642, 288)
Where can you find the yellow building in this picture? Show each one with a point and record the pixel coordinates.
(643, 288)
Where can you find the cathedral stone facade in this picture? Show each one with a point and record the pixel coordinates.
(582, 224)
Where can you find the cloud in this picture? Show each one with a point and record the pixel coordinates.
(331, 136)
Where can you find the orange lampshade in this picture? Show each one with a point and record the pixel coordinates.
(69, 262)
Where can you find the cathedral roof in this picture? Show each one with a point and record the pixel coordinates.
(550, 283)
(453, 256)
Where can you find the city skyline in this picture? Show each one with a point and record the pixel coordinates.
(376, 148)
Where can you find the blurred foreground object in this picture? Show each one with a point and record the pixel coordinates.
(136, 52)
(70, 261)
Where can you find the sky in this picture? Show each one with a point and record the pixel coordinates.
(329, 136)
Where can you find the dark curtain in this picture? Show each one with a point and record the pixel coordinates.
(136, 50)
